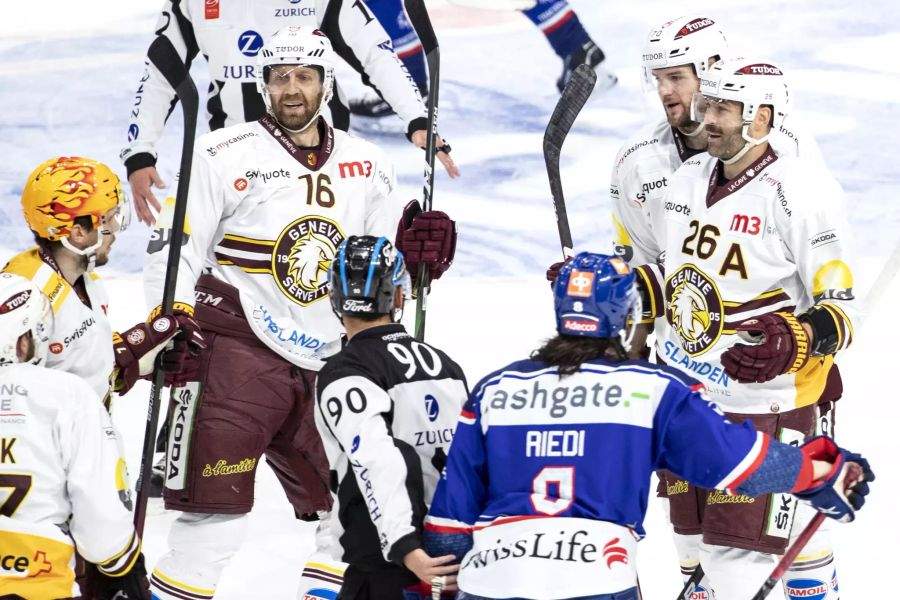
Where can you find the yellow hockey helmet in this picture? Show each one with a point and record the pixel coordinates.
(67, 187)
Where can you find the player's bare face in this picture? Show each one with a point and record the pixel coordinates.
(675, 87)
(296, 93)
(724, 125)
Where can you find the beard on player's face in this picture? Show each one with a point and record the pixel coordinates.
(295, 109)
(723, 140)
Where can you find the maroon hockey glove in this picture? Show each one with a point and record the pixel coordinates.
(426, 238)
(135, 349)
(554, 269)
(182, 362)
(783, 348)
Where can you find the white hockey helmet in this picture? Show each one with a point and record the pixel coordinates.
(23, 309)
(691, 40)
(302, 46)
(753, 82)
(750, 81)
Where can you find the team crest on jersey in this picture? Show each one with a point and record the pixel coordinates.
(694, 309)
(303, 252)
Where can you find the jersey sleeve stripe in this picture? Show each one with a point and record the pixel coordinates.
(650, 277)
(442, 525)
(121, 564)
(467, 417)
(845, 326)
(748, 465)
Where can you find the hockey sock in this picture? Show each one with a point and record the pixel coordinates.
(560, 24)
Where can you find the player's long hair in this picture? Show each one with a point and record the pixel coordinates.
(569, 352)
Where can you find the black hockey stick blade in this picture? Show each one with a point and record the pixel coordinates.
(573, 98)
(418, 17)
(166, 59)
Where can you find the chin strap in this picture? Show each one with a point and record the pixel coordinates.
(90, 253)
(697, 130)
(750, 143)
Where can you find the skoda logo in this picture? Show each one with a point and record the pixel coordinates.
(431, 408)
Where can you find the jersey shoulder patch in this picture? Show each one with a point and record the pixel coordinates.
(29, 265)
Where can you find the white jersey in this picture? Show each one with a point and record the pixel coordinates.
(229, 34)
(63, 483)
(81, 338)
(267, 217)
(772, 239)
(640, 179)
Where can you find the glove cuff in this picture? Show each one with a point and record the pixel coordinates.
(802, 342)
(178, 307)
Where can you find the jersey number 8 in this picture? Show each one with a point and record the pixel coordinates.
(553, 490)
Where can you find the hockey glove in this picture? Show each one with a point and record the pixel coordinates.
(554, 269)
(133, 585)
(183, 360)
(783, 347)
(426, 238)
(843, 491)
(135, 349)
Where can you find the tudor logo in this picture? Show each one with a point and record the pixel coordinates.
(694, 26)
(240, 184)
(759, 69)
(301, 257)
(694, 309)
(15, 301)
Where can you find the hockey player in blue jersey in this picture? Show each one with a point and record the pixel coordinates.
(574, 433)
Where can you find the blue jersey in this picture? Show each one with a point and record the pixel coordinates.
(530, 444)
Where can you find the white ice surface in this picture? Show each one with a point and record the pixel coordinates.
(68, 71)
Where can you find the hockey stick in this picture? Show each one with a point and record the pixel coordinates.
(166, 59)
(690, 586)
(418, 16)
(574, 96)
(788, 559)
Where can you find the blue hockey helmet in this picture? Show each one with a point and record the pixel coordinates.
(595, 296)
(364, 275)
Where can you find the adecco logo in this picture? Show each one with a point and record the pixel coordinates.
(759, 69)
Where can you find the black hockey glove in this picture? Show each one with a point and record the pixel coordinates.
(133, 585)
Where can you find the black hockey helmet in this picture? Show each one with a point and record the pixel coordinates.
(364, 274)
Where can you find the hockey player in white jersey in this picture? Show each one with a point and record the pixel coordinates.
(229, 35)
(74, 206)
(61, 469)
(270, 202)
(546, 483)
(757, 292)
(386, 407)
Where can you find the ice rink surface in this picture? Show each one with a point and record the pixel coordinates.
(68, 72)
